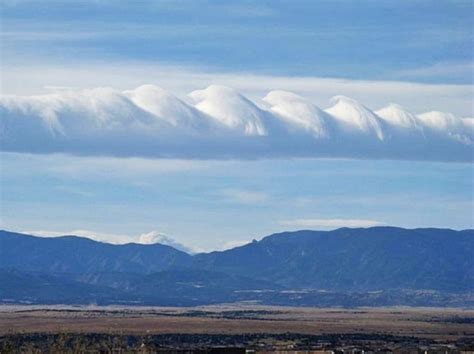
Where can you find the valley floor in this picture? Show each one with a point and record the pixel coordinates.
(235, 326)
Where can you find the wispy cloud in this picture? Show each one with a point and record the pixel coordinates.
(145, 238)
(244, 196)
(103, 168)
(330, 223)
(74, 191)
(93, 235)
(439, 70)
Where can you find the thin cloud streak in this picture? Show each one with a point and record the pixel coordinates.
(464, 70)
(330, 223)
(117, 239)
(243, 196)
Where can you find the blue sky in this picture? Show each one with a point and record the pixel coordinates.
(207, 204)
(337, 38)
(416, 53)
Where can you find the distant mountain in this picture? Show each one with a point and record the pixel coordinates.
(21, 287)
(167, 288)
(349, 267)
(355, 259)
(194, 287)
(72, 254)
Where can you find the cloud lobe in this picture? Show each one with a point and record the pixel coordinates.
(221, 123)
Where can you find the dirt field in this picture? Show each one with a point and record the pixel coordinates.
(235, 319)
(222, 323)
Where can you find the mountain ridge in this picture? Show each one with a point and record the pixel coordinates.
(344, 261)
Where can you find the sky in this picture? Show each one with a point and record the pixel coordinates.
(79, 154)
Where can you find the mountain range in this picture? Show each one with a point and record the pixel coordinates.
(344, 267)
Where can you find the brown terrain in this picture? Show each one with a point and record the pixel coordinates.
(247, 325)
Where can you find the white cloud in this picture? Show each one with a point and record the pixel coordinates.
(119, 239)
(330, 223)
(147, 238)
(224, 124)
(161, 238)
(93, 235)
(26, 78)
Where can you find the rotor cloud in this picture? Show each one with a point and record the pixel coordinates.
(219, 123)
